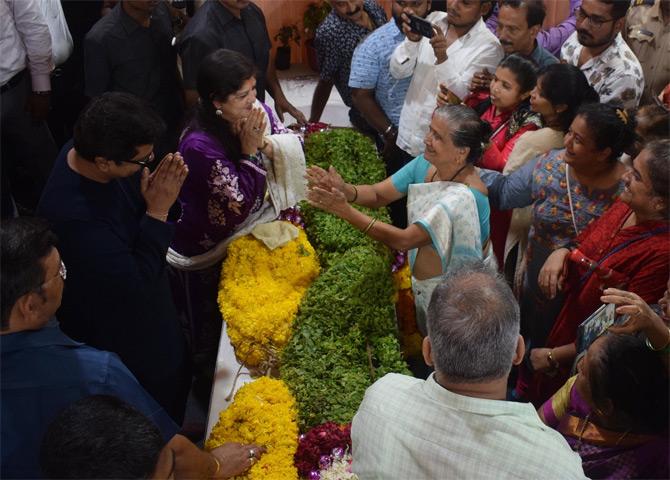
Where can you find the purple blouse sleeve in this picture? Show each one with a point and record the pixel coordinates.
(553, 38)
(276, 125)
(217, 196)
(492, 21)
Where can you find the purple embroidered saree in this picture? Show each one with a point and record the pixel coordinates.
(219, 193)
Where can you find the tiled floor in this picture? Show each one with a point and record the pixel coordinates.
(298, 84)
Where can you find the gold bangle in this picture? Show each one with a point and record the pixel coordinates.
(651, 347)
(218, 466)
(552, 360)
(355, 194)
(367, 229)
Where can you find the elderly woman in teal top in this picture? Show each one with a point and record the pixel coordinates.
(447, 202)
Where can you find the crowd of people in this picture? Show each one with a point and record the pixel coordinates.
(528, 180)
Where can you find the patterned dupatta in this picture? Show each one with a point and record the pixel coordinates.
(448, 212)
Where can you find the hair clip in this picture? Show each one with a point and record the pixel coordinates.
(623, 116)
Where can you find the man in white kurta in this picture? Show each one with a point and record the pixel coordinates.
(474, 48)
(456, 424)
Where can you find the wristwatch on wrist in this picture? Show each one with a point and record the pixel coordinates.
(44, 92)
(390, 131)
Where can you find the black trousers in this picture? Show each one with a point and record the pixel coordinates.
(27, 149)
(395, 158)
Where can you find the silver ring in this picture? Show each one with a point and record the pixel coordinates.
(252, 454)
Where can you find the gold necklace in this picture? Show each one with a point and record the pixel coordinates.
(581, 434)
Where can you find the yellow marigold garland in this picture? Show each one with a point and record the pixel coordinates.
(402, 279)
(263, 412)
(259, 294)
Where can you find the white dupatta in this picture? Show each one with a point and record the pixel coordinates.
(285, 187)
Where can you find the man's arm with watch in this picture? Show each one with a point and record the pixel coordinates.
(364, 101)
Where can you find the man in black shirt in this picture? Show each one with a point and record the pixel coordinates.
(131, 50)
(237, 25)
(110, 216)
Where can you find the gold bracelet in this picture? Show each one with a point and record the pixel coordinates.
(367, 229)
(355, 194)
(218, 466)
(651, 347)
(552, 360)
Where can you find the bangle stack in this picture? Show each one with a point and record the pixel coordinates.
(367, 229)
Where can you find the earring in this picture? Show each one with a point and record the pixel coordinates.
(219, 113)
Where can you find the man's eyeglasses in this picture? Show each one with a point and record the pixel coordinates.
(595, 22)
(62, 273)
(145, 162)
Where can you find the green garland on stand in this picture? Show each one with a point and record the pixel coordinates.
(352, 154)
(355, 158)
(344, 336)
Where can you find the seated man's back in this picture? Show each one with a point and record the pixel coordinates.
(412, 428)
(457, 423)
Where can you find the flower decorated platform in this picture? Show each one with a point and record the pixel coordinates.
(308, 327)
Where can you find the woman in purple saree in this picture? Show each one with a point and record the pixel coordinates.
(614, 412)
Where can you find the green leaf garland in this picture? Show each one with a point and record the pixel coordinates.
(344, 336)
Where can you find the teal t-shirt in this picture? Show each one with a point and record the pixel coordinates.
(415, 172)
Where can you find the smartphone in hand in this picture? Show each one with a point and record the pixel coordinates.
(421, 26)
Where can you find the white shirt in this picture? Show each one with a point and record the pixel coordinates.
(476, 50)
(616, 74)
(24, 40)
(408, 428)
(61, 40)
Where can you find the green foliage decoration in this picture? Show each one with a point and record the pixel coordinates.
(352, 154)
(288, 33)
(344, 338)
(355, 157)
